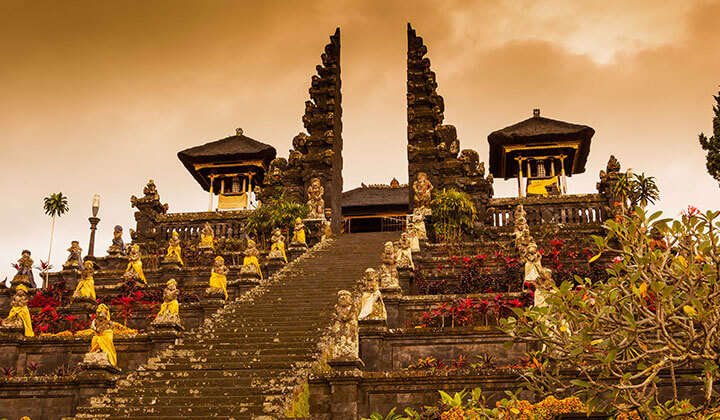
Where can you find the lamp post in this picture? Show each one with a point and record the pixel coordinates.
(94, 220)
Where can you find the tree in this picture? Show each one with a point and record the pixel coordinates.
(453, 214)
(654, 322)
(56, 205)
(712, 144)
(636, 190)
(277, 212)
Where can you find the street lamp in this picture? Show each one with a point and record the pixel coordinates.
(94, 220)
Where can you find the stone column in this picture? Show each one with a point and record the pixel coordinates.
(91, 245)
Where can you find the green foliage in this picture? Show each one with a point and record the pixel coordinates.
(300, 407)
(655, 316)
(712, 145)
(278, 212)
(56, 204)
(453, 214)
(637, 189)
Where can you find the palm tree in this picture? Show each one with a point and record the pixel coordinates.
(55, 206)
(645, 190)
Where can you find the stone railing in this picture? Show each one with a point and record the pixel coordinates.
(227, 224)
(568, 209)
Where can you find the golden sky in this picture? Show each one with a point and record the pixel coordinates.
(98, 97)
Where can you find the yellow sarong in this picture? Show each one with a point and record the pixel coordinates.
(177, 251)
(253, 261)
(538, 186)
(104, 342)
(86, 288)
(136, 266)
(24, 314)
(207, 241)
(299, 236)
(173, 307)
(281, 247)
(219, 281)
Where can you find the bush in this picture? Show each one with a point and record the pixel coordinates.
(453, 215)
(278, 212)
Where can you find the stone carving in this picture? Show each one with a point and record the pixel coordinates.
(389, 278)
(251, 265)
(149, 207)
(315, 199)
(85, 290)
(218, 279)
(19, 317)
(521, 232)
(422, 189)
(535, 274)
(413, 236)
(327, 230)
(418, 222)
(169, 314)
(24, 268)
(404, 252)
(207, 238)
(134, 270)
(75, 259)
(174, 250)
(102, 348)
(117, 248)
(372, 307)
(299, 233)
(606, 187)
(277, 249)
(344, 332)
(316, 153)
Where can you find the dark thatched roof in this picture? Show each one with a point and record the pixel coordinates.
(231, 149)
(373, 196)
(538, 131)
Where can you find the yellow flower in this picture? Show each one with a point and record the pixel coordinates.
(683, 261)
(596, 342)
(689, 311)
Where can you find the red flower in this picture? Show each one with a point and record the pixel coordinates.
(617, 259)
(481, 257)
(466, 260)
(71, 318)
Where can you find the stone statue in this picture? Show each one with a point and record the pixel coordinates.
(371, 304)
(251, 265)
(102, 348)
(85, 289)
(24, 270)
(207, 238)
(299, 233)
(134, 270)
(19, 317)
(422, 189)
(413, 236)
(75, 259)
(117, 247)
(418, 221)
(150, 191)
(277, 249)
(169, 314)
(327, 230)
(404, 252)
(315, 199)
(345, 340)
(389, 278)
(174, 250)
(218, 278)
(543, 287)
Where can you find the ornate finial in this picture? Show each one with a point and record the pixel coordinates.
(238, 131)
(536, 113)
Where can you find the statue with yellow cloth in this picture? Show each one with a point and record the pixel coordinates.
(102, 349)
(299, 233)
(134, 268)
(218, 279)
(169, 314)
(207, 238)
(19, 317)
(174, 250)
(251, 265)
(85, 289)
(277, 250)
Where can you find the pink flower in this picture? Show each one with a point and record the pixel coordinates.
(617, 259)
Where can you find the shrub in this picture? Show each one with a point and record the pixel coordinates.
(278, 212)
(453, 215)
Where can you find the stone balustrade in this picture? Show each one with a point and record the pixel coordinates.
(227, 224)
(568, 209)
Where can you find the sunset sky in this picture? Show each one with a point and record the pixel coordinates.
(98, 97)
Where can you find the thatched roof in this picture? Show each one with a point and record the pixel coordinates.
(373, 196)
(538, 131)
(233, 149)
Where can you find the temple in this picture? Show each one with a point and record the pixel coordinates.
(334, 305)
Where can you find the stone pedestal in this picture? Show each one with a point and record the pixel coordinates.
(344, 383)
(116, 262)
(21, 279)
(389, 292)
(167, 323)
(71, 278)
(13, 331)
(248, 273)
(295, 250)
(169, 269)
(274, 265)
(315, 228)
(372, 334)
(405, 276)
(97, 361)
(80, 306)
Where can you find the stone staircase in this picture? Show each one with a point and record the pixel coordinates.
(245, 361)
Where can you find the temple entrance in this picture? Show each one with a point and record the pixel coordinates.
(375, 208)
(374, 224)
